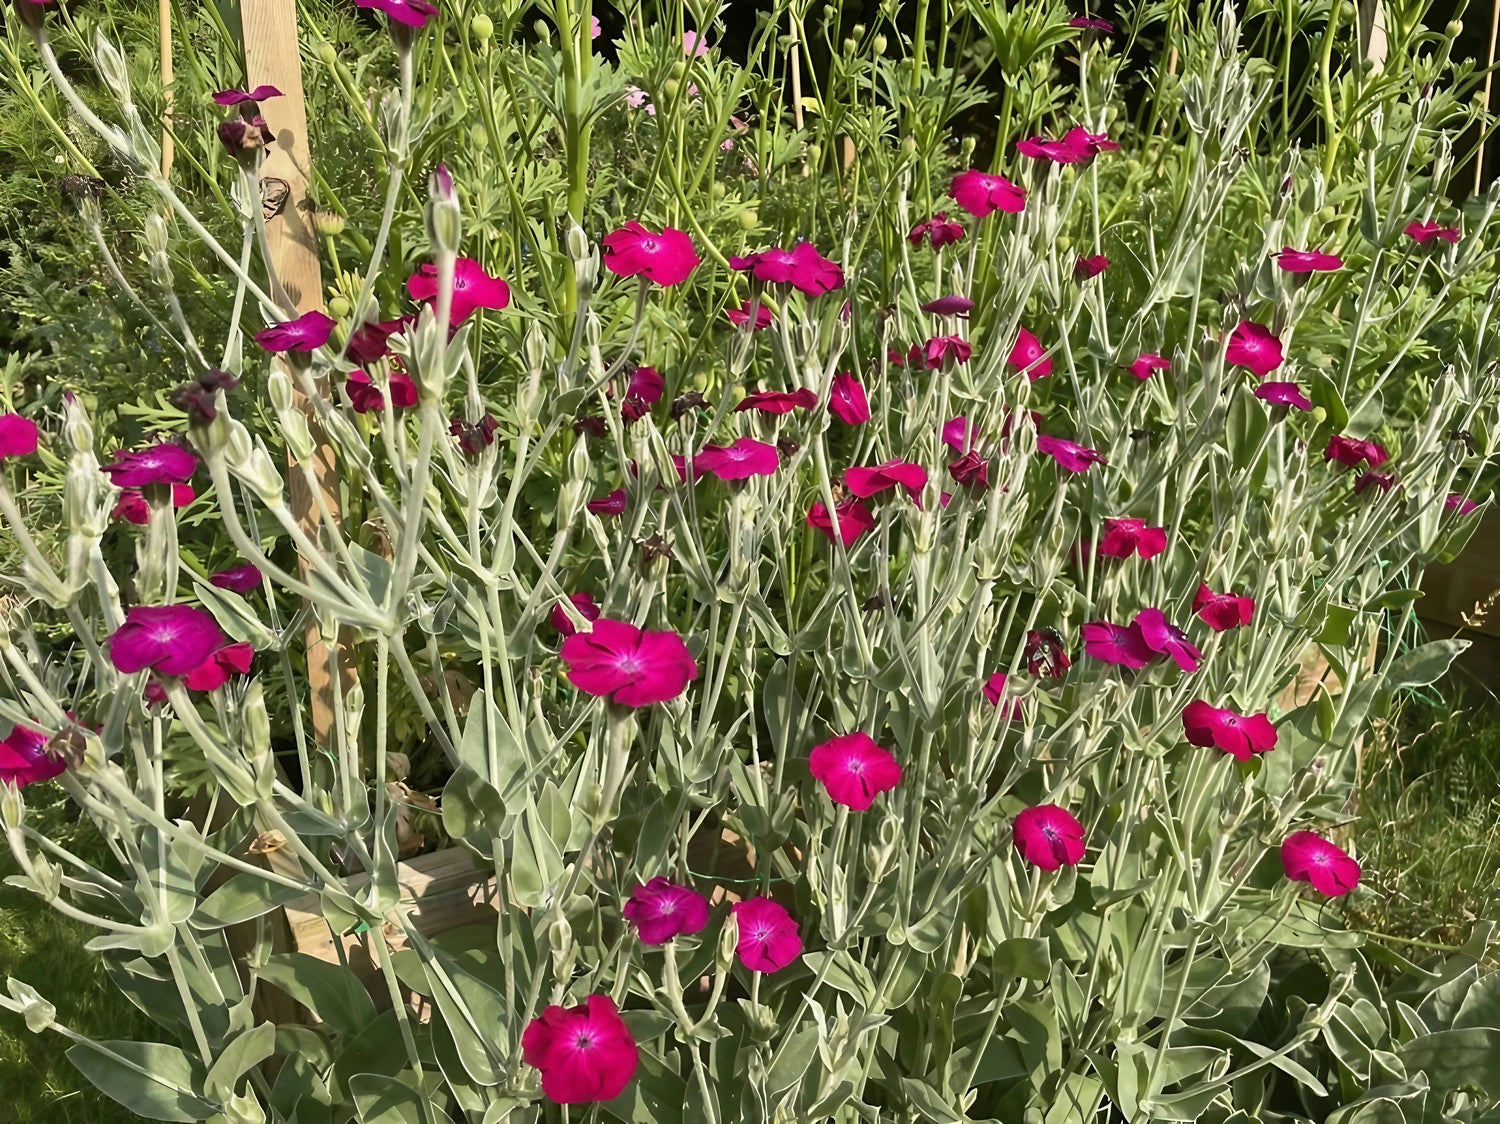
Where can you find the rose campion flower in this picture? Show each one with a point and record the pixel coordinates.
(949, 306)
(867, 482)
(238, 579)
(1308, 857)
(1424, 232)
(474, 437)
(1086, 268)
(938, 231)
(1167, 639)
(1241, 736)
(1121, 644)
(585, 1053)
(235, 97)
(412, 13)
(631, 667)
(741, 460)
(1124, 537)
(1368, 480)
(1252, 345)
(854, 519)
(1048, 837)
(1029, 356)
(473, 289)
(169, 639)
(802, 267)
(644, 390)
(995, 693)
(132, 506)
(739, 317)
(768, 939)
(945, 351)
(1077, 146)
(370, 342)
(634, 251)
(1351, 452)
(1087, 24)
(1459, 503)
(24, 758)
(1222, 611)
(18, 436)
(662, 910)
(854, 770)
(958, 434)
(693, 45)
(1283, 394)
(214, 672)
(981, 194)
(365, 396)
(587, 608)
(1147, 362)
(847, 401)
(777, 401)
(970, 470)
(1307, 261)
(308, 332)
(162, 463)
(611, 503)
(1045, 654)
(1069, 455)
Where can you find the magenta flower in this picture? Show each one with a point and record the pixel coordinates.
(239, 579)
(1124, 537)
(970, 470)
(24, 758)
(473, 288)
(1167, 639)
(169, 639)
(995, 691)
(802, 267)
(1459, 503)
(586, 606)
(945, 351)
(854, 769)
(235, 97)
(611, 503)
(938, 231)
(740, 316)
(1252, 345)
(1045, 654)
(768, 937)
(982, 194)
(1308, 261)
(853, 517)
(1283, 394)
(412, 13)
(1308, 857)
(216, 670)
(371, 340)
(1085, 268)
(1120, 644)
(1368, 480)
(666, 258)
(18, 436)
(777, 401)
(1351, 451)
(631, 667)
(1068, 454)
(308, 332)
(1029, 356)
(958, 434)
(133, 508)
(645, 388)
(1048, 836)
(866, 482)
(1222, 611)
(365, 396)
(1088, 24)
(1424, 232)
(662, 910)
(585, 1053)
(1241, 736)
(745, 458)
(162, 463)
(1147, 362)
(1077, 146)
(949, 306)
(847, 401)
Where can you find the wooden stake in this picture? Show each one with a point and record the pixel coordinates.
(1489, 77)
(164, 16)
(272, 57)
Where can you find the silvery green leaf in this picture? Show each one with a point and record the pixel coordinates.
(151, 1079)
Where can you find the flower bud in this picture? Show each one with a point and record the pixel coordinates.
(482, 27)
(728, 938)
(880, 44)
(749, 219)
(543, 31)
(858, 31)
(12, 803)
(111, 66)
(38, 1013)
(328, 224)
(279, 387)
(339, 307)
(328, 53)
(718, 191)
(908, 144)
(849, 45)
(670, 87)
(968, 146)
(444, 219)
(679, 68)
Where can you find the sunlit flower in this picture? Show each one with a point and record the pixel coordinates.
(866, 482)
(412, 13)
(1048, 836)
(981, 193)
(1308, 857)
(162, 463)
(694, 45)
(18, 436)
(1424, 232)
(308, 332)
(24, 758)
(945, 351)
(585, 1053)
(1084, 268)
(1252, 345)
(666, 258)
(1222, 611)
(802, 267)
(1077, 146)
(742, 459)
(853, 517)
(1167, 639)
(169, 639)
(1308, 261)
(1147, 362)
(633, 668)
(662, 910)
(1029, 357)
(958, 434)
(1068, 454)
(1087, 24)
(1241, 736)
(238, 579)
(777, 401)
(473, 288)
(854, 770)
(584, 603)
(768, 939)
(847, 402)
(1351, 452)
(1124, 537)
(1283, 394)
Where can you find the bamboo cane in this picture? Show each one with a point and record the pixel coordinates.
(164, 17)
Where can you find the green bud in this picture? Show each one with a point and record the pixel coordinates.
(718, 191)
(482, 27)
(880, 44)
(1328, 214)
(543, 31)
(859, 31)
(670, 87)
(38, 1013)
(679, 68)
(908, 144)
(339, 307)
(749, 219)
(1454, 29)
(814, 152)
(328, 225)
(328, 54)
(1319, 415)
(968, 147)
(12, 803)
(849, 45)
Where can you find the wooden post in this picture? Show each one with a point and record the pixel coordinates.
(164, 16)
(272, 57)
(1489, 77)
